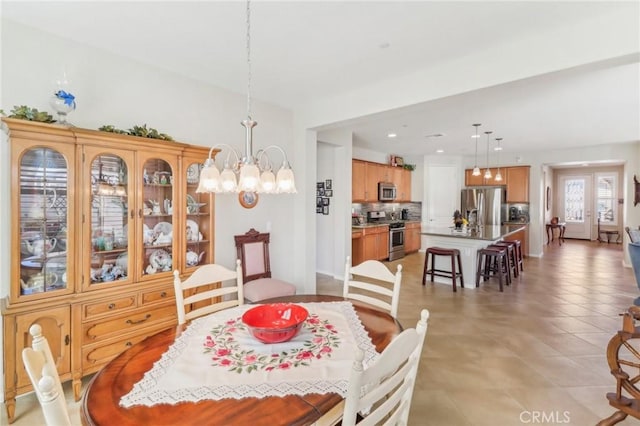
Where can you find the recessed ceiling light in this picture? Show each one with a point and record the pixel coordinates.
(439, 151)
(497, 148)
(391, 135)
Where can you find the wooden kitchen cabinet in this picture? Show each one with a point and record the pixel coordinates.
(99, 221)
(412, 237)
(357, 247)
(402, 181)
(366, 175)
(518, 184)
(471, 180)
(375, 243)
(521, 235)
(358, 180)
(374, 174)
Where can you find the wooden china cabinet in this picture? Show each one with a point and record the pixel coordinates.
(99, 221)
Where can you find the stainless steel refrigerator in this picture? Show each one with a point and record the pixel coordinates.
(483, 205)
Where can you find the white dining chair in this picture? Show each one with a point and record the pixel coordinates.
(387, 296)
(41, 368)
(253, 250)
(381, 393)
(202, 287)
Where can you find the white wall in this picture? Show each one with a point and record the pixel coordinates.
(324, 227)
(113, 90)
(337, 229)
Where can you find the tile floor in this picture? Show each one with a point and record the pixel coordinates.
(535, 354)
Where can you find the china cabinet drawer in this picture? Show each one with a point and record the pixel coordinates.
(108, 307)
(157, 296)
(95, 356)
(110, 327)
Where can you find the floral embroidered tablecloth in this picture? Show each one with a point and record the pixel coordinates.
(216, 358)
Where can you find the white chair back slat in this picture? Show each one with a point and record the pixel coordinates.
(377, 271)
(382, 392)
(202, 277)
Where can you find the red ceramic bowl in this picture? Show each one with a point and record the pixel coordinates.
(275, 322)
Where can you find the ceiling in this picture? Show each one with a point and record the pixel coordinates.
(303, 50)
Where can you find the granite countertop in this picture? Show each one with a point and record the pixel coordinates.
(489, 233)
(385, 223)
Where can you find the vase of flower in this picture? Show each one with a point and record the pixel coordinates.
(63, 103)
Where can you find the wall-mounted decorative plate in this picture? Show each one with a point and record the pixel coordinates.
(248, 200)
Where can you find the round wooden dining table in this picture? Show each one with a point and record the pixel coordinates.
(101, 400)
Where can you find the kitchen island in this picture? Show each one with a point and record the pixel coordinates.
(468, 241)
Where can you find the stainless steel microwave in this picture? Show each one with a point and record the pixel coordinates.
(386, 191)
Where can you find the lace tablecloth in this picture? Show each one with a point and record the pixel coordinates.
(217, 358)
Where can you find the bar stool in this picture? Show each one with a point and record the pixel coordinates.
(519, 255)
(492, 261)
(504, 266)
(439, 251)
(511, 256)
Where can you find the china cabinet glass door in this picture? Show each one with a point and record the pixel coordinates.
(157, 232)
(198, 214)
(43, 190)
(109, 219)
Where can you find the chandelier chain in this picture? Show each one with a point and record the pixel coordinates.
(248, 59)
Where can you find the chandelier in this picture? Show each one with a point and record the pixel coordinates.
(476, 169)
(254, 171)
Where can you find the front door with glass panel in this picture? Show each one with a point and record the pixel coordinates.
(575, 202)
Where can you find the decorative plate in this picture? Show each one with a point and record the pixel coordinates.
(160, 261)
(192, 230)
(123, 262)
(248, 200)
(163, 227)
(193, 173)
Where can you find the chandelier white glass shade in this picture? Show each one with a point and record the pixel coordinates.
(254, 171)
(247, 173)
(487, 172)
(498, 148)
(476, 169)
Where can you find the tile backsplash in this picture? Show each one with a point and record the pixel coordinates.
(415, 209)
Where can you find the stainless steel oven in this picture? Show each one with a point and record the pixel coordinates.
(396, 240)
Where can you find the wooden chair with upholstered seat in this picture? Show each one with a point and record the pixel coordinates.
(382, 392)
(253, 251)
(203, 295)
(373, 270)
(42, 371)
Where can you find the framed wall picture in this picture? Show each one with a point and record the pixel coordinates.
(328, 192)
(325, 210)
(320, 185)
(318, 201)
(327, 184)
(325, 201)
(319, 209)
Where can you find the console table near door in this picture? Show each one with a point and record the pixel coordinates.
(551, 227)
